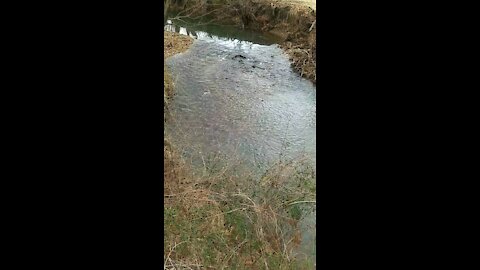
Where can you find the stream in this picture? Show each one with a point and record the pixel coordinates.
(237, 97)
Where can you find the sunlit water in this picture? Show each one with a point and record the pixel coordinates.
(237, 96)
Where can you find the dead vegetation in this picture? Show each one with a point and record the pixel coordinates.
(216, 219)
(173, 43)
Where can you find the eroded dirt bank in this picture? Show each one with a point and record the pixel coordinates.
(294, 21)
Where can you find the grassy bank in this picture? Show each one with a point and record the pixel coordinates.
(173, 43)
(222, 216)
(219, 219)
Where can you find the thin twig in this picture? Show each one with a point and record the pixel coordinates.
(302, 202)
(171, 250)
(311, 27)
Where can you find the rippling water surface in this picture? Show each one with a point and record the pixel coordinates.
(236, 96)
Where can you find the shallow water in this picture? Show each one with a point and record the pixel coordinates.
(255, 106)
(237, 96)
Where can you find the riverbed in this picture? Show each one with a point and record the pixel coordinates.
(237, 97)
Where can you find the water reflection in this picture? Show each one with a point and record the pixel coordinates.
(224, 33)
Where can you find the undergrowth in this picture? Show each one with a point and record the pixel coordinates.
(224, 220)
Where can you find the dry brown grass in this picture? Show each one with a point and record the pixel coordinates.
(174, 43)
(243, 221)
(308, 3)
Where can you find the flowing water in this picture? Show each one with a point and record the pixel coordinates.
(237, 96)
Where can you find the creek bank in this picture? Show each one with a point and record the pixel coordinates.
(173, 43)
(294, 23)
